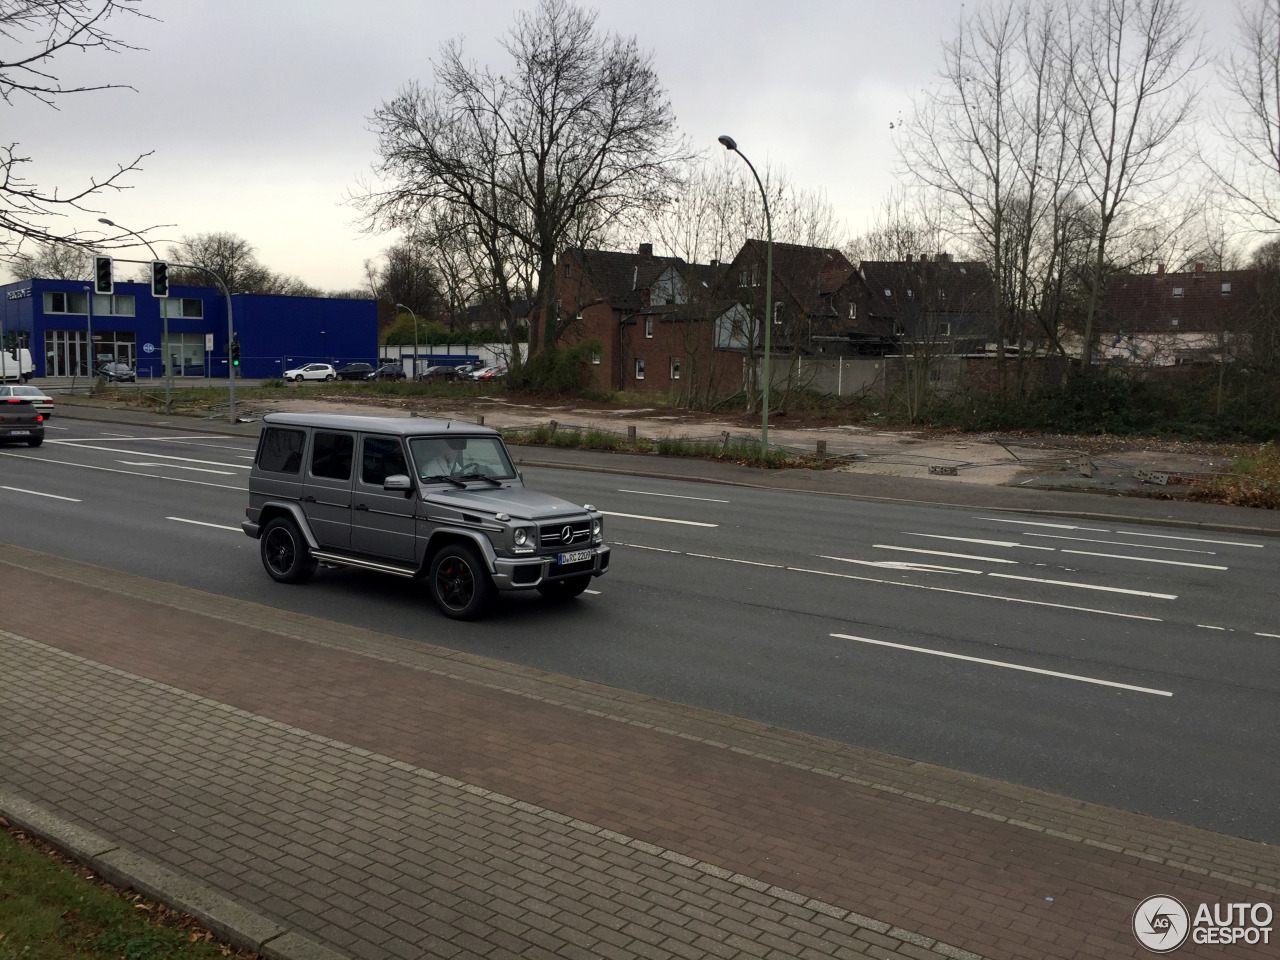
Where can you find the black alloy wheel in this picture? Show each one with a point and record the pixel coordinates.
(35, 441)
(284, 553)
(565, 589)
(460, 583)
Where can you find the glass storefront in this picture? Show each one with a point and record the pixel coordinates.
(66, 352)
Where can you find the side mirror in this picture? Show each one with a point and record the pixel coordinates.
(397, 483)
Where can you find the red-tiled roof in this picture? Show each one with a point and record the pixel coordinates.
(809, 274)
(927, 285)
(1200, 303)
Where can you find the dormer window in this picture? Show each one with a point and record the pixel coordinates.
(853, 311)
(1173, 322)
(1226, 288)
(888, 292)
(1177, 291)
(910, 294)
(942, 294)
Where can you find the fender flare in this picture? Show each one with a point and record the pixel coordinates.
(481, 542)
(295, 513)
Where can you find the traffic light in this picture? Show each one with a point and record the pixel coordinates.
(102, 280)
(159, 278)
(235, 352)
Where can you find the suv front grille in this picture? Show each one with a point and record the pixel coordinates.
(554, 534)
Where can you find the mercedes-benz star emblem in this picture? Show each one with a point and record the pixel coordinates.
(566, 535)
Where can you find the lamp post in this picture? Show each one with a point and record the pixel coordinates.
(730, 144)
(164, 313)
(401, 306)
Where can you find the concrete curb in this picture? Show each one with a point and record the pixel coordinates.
(229, 921)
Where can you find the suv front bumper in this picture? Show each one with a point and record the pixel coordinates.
(525, 573)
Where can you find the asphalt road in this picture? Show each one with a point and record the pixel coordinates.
(1133, 666)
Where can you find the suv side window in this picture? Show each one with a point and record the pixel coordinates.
(383, 457)
(331, 455)
(280, 451)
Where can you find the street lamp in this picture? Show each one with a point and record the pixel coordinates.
(164, 312)
(730, 144)
(401, 306)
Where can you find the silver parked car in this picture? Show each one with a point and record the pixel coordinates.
(39, 399)
(415, 497)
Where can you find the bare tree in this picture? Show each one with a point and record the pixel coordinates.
(57, 261)
(577, 130)
(34, 33)
(230, 256)
(1132, 66)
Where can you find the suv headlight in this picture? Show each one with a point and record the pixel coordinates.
(521, 536)
(522, 540)
(597, 529)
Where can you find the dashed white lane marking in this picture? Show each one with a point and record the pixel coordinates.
(940, 553)
(1275, 636)
(40, 493)
(1164, 536)
(902, 565)
(1052, 526)
(674, 496)
(1206, 626)
(1171, 563)
(1119, 543)
(1007, 666)
(151, 456)
(176, 466)
(1087, 586)
(201, 523)
(986, 543)
(639, 546)
(594, 593)
(971, 593)
(636, 516)
(127, 473)
(750, 563)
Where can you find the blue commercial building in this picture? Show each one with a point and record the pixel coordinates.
(55, 318)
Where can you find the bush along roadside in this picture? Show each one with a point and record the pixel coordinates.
(726, 448)
(1254, 481)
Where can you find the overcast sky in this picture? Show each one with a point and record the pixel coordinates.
(256, 110)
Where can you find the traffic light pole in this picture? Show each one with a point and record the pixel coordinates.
(231, 334)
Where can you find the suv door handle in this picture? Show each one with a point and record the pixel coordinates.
(361, 506)
(308, 499)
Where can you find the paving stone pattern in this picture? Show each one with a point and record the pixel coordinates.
(394, 799)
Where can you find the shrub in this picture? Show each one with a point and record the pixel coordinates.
(556, 372)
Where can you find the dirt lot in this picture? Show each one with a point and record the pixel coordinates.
(1042, 461)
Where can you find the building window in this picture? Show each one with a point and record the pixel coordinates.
(944, 329)
(910, 294)
(899, 330)
(55, 301)
(183, 308)
(888, 292)
(595, 356)
(853, 311)
(1173, 322)
(119, 305)
(1177, 291)
(568, 269)
(1226, 288)
(755, 276)
(648, 327)
(744, 278)
(639, 368)
(675, 368)
(942, 294)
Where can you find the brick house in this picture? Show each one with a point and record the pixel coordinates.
(1171, 318)
(939, 303)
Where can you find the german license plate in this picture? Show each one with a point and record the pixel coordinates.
(576, 557)
(25, 433)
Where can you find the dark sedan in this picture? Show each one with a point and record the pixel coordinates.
(388, 371)
(21, 422)
(355, 371)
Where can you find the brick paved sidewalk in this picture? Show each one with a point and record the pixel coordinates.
(387, 798)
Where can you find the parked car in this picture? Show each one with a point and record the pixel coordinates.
(441, 371)
(20, 421)
(433, 499)
(355, 371)
(117, 373)
(38, 398)
(490, 373)
(312, 371)
(467, 371)
(388, 371)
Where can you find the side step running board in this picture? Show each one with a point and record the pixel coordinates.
(340, 560)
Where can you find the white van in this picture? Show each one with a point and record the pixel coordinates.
(16, 365)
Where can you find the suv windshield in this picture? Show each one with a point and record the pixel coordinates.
(468, 458)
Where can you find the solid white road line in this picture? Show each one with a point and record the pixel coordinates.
(1086, 586)
(640, 546)
(201, 523)
(984, 543)
(176, 466)
(1171, 563)
(120, 436)
(1118, 543)
(971, 593)
(39, 493)
(1007, 666)
(750, 563)
(1275, 636)
(154, 456)
(1053, 526)
(675, 496)
(902, 565)
(939, 553)
(1223, 543)
(127, 473)
(636, 516)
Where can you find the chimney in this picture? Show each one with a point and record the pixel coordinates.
(1199, 271)
(1159, 269)
(944, 258)
(646, 250)
(715, 264)
(908, 258)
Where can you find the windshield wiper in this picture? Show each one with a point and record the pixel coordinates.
(437, 478)
(480, 476)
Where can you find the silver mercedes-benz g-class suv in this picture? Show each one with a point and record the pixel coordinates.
(414, 497)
